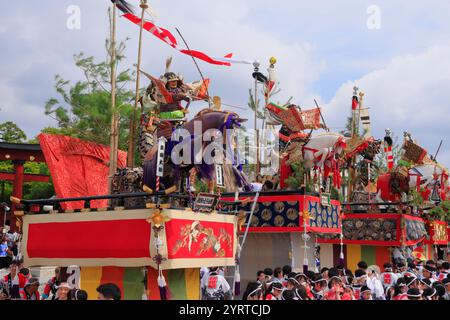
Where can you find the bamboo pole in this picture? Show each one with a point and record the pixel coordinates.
(114, 121)
(131, 147)
(256, 128)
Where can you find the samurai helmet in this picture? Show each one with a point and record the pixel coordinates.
(170, 76)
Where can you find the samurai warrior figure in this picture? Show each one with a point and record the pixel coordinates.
(179, 92)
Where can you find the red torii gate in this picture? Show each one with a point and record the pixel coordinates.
(19, 154)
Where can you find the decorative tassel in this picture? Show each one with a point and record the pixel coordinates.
(237, 282)
(305, 263)
(162, 286)
(305, 268)
(341, 259)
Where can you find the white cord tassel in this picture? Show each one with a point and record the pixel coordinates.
(161, 280)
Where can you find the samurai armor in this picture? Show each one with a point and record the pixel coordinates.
(165, 130)
(414, 153)
(128, 180)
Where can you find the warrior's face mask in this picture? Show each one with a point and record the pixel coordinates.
(173, 84)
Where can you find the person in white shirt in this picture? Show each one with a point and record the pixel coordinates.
(388, 277)
(374, 284)
(215, 286)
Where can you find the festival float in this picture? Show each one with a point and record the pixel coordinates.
(151, 228)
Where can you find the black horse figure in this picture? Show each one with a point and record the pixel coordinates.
(173, 173)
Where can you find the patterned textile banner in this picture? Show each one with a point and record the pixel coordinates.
(311, 119)
(380, 229)
(282, 213)
(438, 232)
(125, 239)
(414, 152)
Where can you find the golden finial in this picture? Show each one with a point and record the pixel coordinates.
(361, 95)
(272, 61)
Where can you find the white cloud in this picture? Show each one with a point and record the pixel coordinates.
(29, 117)
(410, 93)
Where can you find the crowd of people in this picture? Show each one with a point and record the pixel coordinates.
(413, 280)
(19, 284)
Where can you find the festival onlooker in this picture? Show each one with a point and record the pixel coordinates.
(269, 273)
(414, 294)
(30, 291)
(14, 281)
(109, 291)
(62, 292)
(428, 272)
(77, 294)
(260, 276)
(5, 254)
(275, 291)
(4, 292)
(216, 288)
(253, 292)
(430, 294)
(52, 285)
(319, 284)
(446, 285)
(366, 293)
(278, 275)
(388, 277)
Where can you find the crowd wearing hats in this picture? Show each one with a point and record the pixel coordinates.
(413, 280)
(19, 284)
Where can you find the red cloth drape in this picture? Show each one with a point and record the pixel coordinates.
(78, 168)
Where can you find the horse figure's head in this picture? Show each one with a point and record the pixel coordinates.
(219, 119)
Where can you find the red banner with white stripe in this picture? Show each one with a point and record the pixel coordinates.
(166, 36)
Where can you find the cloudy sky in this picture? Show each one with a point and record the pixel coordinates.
(323, 48)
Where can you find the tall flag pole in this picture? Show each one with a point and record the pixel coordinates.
(256, 65)
(114, 134)
(351, 169)
(355, 105)
(131, 147)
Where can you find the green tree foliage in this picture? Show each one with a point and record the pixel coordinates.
(254, 106)
(11, 133)
(37, 190)
(83, 110)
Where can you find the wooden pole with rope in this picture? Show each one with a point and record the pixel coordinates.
(256, 65)
(321, 116)
(198, 68)
(114, 118)
(131, 147)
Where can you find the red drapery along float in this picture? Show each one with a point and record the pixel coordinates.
(78, 168)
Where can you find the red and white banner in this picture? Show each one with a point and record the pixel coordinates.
(166, 36)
